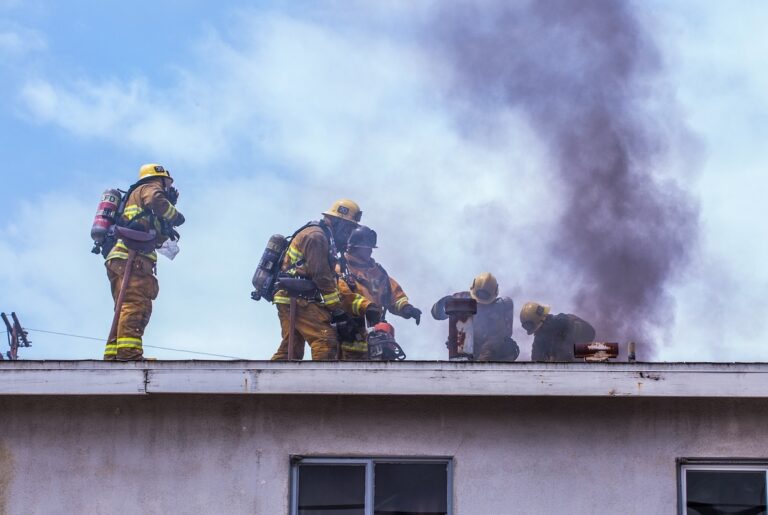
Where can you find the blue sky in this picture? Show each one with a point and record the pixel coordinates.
(266, 112)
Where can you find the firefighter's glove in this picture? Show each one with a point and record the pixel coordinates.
(372, 315)
(173, 234)
(339, 315)
(410, 311)
(172, 194)
(179, 220)
(344, 324)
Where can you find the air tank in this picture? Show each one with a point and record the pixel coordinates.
(266, 273)
(105, 215)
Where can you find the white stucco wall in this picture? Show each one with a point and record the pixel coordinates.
(230, 454)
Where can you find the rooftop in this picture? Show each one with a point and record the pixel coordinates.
(410, 378)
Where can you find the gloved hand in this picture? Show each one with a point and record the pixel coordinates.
(172, 194)
(372, 315)
(344, 324)
(179, 219)
(339, 315)
(410, 311)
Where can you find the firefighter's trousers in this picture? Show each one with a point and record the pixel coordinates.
(313, 325)
(356, 350)
(349, 354)
(137, 306)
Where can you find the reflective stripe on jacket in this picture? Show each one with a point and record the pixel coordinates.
(148, 198)
(372, 285)
(308, 256)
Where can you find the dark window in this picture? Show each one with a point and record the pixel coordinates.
(725, 489)
(332, 489)
(410, 489)
(323, 486)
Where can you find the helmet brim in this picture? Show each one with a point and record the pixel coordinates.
(336, 215)
(481, 301)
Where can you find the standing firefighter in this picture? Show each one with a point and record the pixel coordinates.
(149, 208)
(370, 289)
(492, 323)
(312, 255)
(554, 335)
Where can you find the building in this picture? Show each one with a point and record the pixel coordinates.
(342, 438)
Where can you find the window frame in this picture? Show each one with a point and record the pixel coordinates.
(369, 462)
(715, 465)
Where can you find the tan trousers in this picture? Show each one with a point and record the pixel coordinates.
(137, 307)
(313, 326)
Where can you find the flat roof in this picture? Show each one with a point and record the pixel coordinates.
(407, 378)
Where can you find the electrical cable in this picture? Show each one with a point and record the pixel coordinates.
(145, 345)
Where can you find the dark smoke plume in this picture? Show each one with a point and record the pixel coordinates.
(587, 76)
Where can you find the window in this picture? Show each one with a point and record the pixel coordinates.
(713, 487)
(376, 486)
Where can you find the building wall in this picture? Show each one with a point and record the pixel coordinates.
(230, 454)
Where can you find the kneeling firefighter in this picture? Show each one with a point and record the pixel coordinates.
(370, 289)
(307, 273)
(144, 220)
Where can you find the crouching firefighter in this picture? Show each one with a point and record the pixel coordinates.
(554, 336)
(144, 220)
(372, 292)
(307, 273)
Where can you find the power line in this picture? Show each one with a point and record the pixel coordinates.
(150, 346)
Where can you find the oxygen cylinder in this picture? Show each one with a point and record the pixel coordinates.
(266, 273)
(105, 215)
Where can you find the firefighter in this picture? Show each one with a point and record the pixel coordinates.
(554, 335)
(312, 255)
(369, 288)
(149, 205)
(492, 323)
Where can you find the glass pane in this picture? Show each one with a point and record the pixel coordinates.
(331, 489)
(410, 489)
(715, 492)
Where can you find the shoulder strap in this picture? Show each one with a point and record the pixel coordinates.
(124, 201)
(290, 238)
(297, 231)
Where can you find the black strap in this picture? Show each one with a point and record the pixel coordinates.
(165, 228)
(333, 253)
(289, 239)
(388, 297)
(123, 202)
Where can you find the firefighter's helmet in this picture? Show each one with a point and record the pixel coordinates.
(485, 288)
(153, 170)
(362, 236)
(532, 316)
(346, 210)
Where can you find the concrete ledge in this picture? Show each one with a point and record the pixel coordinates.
(411, 378)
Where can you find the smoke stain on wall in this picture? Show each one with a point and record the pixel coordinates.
(6, 476)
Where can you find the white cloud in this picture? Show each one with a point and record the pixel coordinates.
(17, 42)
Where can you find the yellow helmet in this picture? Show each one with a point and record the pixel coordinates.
(532, 316)
(346, 210)
(485, 288)
(153, 170)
